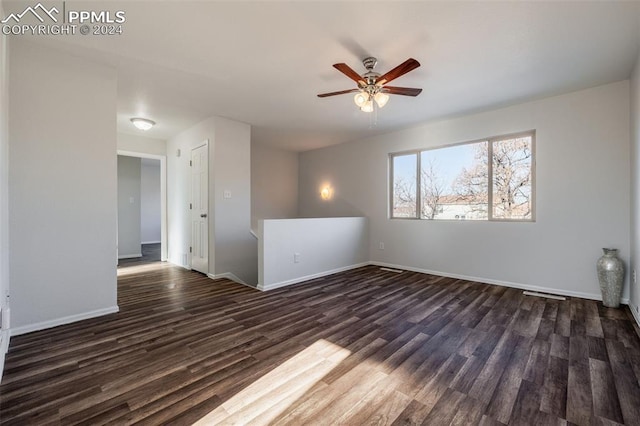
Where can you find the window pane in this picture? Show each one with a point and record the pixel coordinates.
(512, 178)
(404, 185)
(453, 182)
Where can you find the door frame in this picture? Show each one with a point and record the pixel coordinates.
(163, 195)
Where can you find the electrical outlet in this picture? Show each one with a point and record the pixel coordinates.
(296, 257)
(381, 246)
(634, 276)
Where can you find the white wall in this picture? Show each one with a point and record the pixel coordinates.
(150, 202)
(129, 207)
(232, 248)
(320, 246)
(62, 187)
(635, 188)
(582, 189)
(4, 197)
(141, 144)
(274, 183)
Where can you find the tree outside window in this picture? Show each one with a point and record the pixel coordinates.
(453, 183)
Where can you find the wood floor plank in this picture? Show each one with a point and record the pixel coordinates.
(627, 387)
(364, 346)
(554, 393)
(579, 396)
(603, 389)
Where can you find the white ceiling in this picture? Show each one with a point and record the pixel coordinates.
(263, 62)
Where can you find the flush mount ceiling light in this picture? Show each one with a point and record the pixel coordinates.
(372, 86)
(143, 123)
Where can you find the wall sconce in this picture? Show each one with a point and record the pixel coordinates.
(326, 193)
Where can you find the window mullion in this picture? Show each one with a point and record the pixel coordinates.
(391, 185)
(418, 187)
(490, 179)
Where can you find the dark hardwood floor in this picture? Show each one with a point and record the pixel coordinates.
(360, 347)
(150, 254)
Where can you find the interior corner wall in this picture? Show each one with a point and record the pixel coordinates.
(129, 207)
(150, 202)
(4, 177)
(582, 194)
(274, 183)
(62, 187)
(232, 248)
(635, 187)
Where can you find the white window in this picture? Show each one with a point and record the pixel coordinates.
(459, 182)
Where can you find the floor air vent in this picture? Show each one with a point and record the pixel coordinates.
(548, 296)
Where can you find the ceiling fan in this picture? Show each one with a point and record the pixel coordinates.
(372, 86)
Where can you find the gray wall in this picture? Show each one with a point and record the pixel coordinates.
(141, 144)
(4, 173)
(582, 194)
(129, 207)
(232, 248)
(62, 187)
(150, 205)
(274, 184)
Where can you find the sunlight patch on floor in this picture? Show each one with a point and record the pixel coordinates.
(268, 397)
(125, 269)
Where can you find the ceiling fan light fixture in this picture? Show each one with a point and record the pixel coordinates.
(361, 98)
(372, 90)
(367, 107)
(381, 99)
(143, 123)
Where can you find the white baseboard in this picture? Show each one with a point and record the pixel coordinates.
(309, 277)
(150, 242)
(129, 256)
(582, 295)
(187, 267)
(230, 276)
(635, 313)
(4, 348)
(64, 320)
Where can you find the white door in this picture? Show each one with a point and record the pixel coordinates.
(200, 209)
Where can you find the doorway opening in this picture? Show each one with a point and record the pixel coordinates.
(142, 199)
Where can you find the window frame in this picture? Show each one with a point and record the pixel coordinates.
(490, 141)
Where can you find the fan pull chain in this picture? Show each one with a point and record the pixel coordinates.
(373, 117)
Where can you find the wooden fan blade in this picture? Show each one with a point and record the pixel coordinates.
(349, 72)
(405, 91)
(342, 92)
(408, 65)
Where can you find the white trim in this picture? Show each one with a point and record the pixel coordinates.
(562, 292)
(151, 242)
(187, 267)
(310, 277)
(64, 320)
(163, 196)
(635, 313)
(129, 256)
(230, 276)
(5, 335)
(210, 256)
